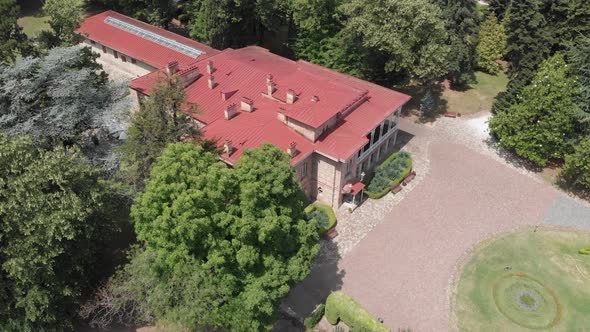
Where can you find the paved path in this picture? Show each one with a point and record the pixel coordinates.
(404, 265)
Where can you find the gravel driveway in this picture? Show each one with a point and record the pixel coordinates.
(402, 269)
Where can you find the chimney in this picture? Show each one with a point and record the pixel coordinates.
(225, 95)
(247, 104)
(230, 111)
(228, 147)
(189, 75)
(291, 97)
(315, 99)
(171, 68)
(211, 82)
(270, 85)
(210, 68)
(292, 149)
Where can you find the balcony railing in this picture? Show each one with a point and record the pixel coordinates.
(373, 146)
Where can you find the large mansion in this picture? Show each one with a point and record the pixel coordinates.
(335, 127)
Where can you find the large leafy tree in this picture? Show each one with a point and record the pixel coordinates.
(59, 98)
(410, 34)
(492, 43)
(161, 121)
(64, 18)
(541, 125)
(12, 40)
(52, 217)
(499, 7)
(224, 245)
(156, 12)
(576, 169)
(579, 57)
(462, 24)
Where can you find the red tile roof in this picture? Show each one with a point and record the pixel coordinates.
(243, 72)
(155, 55)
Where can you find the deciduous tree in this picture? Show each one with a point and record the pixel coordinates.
(541, 125)
(576, 169)
(224, 245)
(64, 18)
(492, 43)
(410, 34)
(12, 40)
(52, 216)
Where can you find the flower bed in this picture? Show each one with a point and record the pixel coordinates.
(324, 216)
(389, 175)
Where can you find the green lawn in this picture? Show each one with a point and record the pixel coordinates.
(478, 97)
(526, 281)
(33, 25)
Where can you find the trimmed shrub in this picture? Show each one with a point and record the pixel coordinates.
(324, 216)
(389, 174)
(584, 251)
(315, 317)
(340, 306)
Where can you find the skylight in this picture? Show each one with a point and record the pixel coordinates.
(154, 37)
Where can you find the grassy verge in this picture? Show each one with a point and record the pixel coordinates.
(526, 280)
(478, 97)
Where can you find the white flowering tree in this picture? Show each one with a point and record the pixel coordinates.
(541, 124)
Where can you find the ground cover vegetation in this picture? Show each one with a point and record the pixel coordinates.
(341, 307)
(323, 215)
(531, 279)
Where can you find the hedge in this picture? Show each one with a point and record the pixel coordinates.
(315, 317)
(394, 182)
(340, 306)
(327, 210)
(584, 251)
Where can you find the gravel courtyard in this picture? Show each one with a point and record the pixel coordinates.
(401, 265)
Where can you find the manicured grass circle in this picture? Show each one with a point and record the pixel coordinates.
(526, 302)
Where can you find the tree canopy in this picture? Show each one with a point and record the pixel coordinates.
(60, 97)
(541, 125)
(492, 43)
(410, 34)
(231, 241)
(52, 217)
(160, 122)
(12, 40)
(64, 18)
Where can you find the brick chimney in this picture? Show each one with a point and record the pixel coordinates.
(270, 85)
(228, 147)
(247, 104)
(210, 68)
(171, 68)
(291, 96)
(292, 149)
(211, 82)
(230, 111)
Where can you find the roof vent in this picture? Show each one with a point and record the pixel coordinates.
(247, 104)
(291, 96)
(315, 99)
(171, 68)
(292, 149)
(211, 82)
(230, 111)
(228, 147)
(270, 85)
(225, 95)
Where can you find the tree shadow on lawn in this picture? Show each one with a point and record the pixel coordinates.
(417, 92)
(325, 278)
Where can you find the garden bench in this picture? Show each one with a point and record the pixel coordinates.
(409, 178)
(452, 114)
(396, 189)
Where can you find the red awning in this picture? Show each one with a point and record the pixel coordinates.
(353, 188)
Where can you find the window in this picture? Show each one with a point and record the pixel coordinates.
(92, 42)
(360, 151)
(377, 134)
(133, 61)
(123, 58)
(385, 126)
(304, 169)
(104, 49)
(116, 54)
(348, 167)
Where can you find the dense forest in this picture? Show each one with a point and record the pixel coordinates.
(218, 247)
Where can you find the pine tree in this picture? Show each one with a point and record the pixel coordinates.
(12, 40)
(462, 24)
